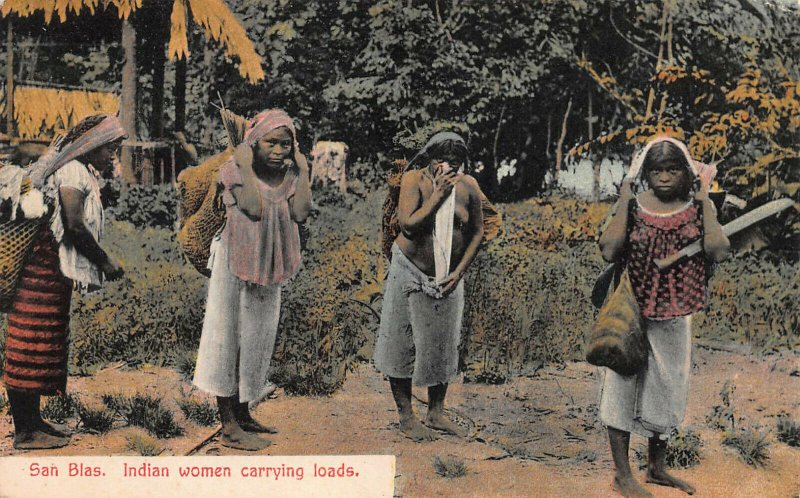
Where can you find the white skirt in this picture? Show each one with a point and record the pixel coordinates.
(652, 402)
(239, 330)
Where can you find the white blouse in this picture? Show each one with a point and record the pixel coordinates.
(83, 178)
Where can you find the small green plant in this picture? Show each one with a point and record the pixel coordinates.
(185, 363)
(750, 443)
(722, 416)
(95, 420)
(199, 412)
(449, 466)
(683, 448)
(143, 445)
(788, 431)
(60, 408)
(146, 412)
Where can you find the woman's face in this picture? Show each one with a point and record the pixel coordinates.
(668, 180)
(102, 158)
(446, 163)
(274, 148)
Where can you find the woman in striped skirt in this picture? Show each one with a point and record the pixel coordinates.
(66, 254)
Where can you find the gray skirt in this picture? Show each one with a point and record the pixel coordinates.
(652, 402)
(419, 334)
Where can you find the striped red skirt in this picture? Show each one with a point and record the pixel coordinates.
(38, 323)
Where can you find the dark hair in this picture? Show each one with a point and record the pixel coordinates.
(79, 129)
(667, 152)
(448, 148)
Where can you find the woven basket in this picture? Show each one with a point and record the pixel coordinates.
(201, 212)
(16, 240)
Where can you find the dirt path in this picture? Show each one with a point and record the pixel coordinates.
(535, 436)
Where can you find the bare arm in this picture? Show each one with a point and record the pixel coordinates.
(78, 234)
(476, 231)
(412, 216)
(715, 244)
(248, 197)
(300, 202)
(612, 241)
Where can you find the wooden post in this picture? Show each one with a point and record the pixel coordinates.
(128, 101)
(10, 80)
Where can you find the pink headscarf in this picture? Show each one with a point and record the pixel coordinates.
(106, 131)
(706, 172)
(266, 121)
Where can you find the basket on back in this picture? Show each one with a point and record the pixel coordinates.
(201, 214)
(16, 240)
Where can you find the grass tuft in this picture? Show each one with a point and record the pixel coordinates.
(199, 412)
(143, 445)
(95, 420)
(62, 407)
(146, 412)
(751, 444)
(449, 466)
(683, 449)
(788, 431)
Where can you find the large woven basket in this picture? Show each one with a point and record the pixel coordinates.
(201, 213)
(16, 240)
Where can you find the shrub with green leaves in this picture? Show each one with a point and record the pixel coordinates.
(750, 443)
(683, 448)
(154, 206)
(200, 412)
(788, 431)
(62, 407)
(143, 445)
(449, 466)
(97, 420)
(146, 412)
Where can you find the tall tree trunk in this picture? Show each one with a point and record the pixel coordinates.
(128, 101)
(596, 164)
(180, 95)
(10, 80)
(560, 146)
(159, 61)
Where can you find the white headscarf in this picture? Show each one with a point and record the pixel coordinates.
(705, 172)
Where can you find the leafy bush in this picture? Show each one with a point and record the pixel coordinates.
(146, 412)
(62, 407)
(683, 449)
(750, 443)
(449, 466)
(788, 431)
(95, 420)
(199, 412)
(153, 206)
(143, 445)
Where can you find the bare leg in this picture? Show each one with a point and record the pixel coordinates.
(247, 422)
(27, 435)
(409, 424)
(657, 467)
(232, 434)
(436, 417)
(43, 425)
(623, 479)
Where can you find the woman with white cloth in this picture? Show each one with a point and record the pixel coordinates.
(266, 194)
(673, 211)
(441, 225)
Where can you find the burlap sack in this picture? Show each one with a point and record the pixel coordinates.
(618, 338)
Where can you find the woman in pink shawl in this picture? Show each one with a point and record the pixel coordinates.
(266, 193)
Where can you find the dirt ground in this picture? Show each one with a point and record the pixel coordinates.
(534, 436)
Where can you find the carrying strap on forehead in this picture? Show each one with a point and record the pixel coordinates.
(438, 138)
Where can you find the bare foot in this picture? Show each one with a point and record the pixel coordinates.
(241, 440)
(57, 430)
(413, 429)
(252, 425)
(38, 440)
(629, 488)
(440, 422)
(663, 479)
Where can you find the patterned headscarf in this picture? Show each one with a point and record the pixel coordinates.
(705, 172)
(106, 131)
(266, 121)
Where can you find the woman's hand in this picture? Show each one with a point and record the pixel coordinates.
(111, 270)
(300, 161)
(450, 282)
(443, 183)
(702, 193)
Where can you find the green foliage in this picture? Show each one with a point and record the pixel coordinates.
(153, 206)
(750, 443)
(449, 466)
(722, 417)
(62, 407)
(95, 420)
(788, 431)
(144, 411)
(683, 449)
(198, 411)
(143, 445)
(185, 363)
